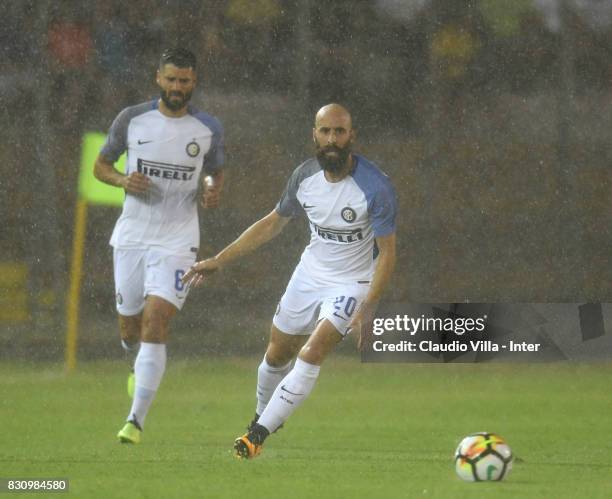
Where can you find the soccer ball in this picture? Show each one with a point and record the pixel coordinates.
(483, 456)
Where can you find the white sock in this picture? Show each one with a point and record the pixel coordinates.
(268, 378)
(148, 370)
(289, 394)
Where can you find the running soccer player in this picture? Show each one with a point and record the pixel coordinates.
(173, 150)
(351, 207)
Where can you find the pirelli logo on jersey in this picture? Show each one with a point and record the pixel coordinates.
(165, 170)
(342, 236)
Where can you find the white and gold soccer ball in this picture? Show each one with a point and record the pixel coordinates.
(482, 457)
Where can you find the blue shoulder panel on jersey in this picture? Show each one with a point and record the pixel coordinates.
(216, 156)
(379, 193)
(288, 205)
(116, 140)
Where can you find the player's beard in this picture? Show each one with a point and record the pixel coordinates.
(333, 164)
(175, 105)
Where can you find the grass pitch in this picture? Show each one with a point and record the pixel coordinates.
(367, 431)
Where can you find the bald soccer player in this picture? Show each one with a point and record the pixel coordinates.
(351, 207)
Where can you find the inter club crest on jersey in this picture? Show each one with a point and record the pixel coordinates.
(193, 149)
(348, 214)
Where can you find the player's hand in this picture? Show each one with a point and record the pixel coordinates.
(136, 183)
(361, 325)
(195, 276)
(211, 196)
(357, 328)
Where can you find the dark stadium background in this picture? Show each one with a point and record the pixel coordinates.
(493, 119)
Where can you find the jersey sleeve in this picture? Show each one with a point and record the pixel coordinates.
(288, 205)
(215, 157)
(383, 210)
(116, 140)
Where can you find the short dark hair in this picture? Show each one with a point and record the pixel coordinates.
(180, 57)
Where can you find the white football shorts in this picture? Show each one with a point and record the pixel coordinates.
(307, 302)
(143, 272)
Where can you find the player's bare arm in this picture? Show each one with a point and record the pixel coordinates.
(105, 171)
(213, 186)
(382, 276)
(255, 236)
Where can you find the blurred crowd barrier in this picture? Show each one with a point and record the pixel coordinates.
(491, 117)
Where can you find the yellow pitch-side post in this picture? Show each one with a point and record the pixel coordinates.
(91, 191)
(76, 274)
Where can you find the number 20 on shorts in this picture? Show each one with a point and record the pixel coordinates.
(344, 304)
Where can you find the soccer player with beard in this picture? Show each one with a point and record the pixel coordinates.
(173, 152)
(351, 207)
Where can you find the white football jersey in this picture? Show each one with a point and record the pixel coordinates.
(345, 218)
(172, 153)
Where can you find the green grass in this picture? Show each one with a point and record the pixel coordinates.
(367, 431)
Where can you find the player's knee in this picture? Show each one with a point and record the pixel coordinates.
(278, 356)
